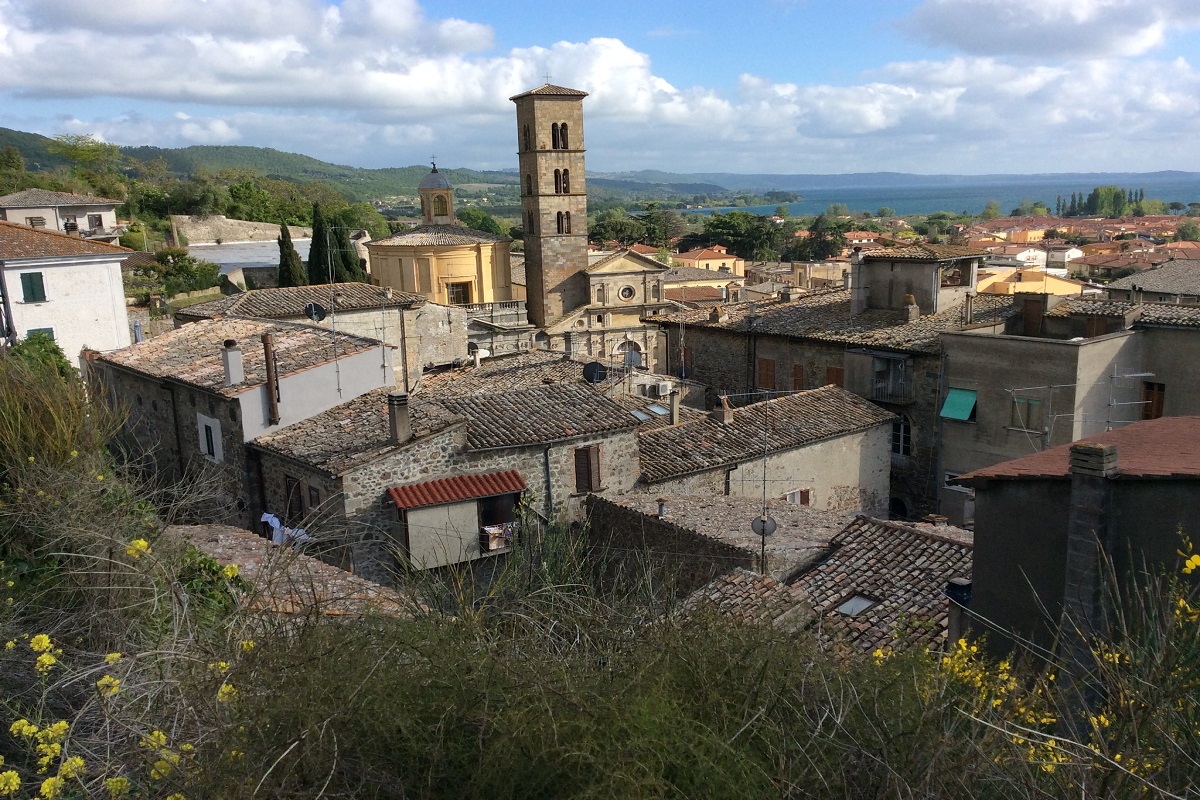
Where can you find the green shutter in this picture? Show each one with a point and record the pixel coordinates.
(32, 288)
(960, 404)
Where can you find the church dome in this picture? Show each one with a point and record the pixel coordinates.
(435, 180)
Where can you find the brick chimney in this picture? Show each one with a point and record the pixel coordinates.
(231, 360)
(722, 412)
(399, 421)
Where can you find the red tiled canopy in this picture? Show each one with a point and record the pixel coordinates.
(453, 490)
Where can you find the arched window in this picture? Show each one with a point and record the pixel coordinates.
(562, 136)
(529, 222)
(554, 137)
(439, 206)
(631, 354)
(560, 222)
(566, 222)
(901, 436)
(566, 182)
(526, 138)
(558, 182)
(529, 185)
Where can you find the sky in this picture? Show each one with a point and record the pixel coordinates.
(772, 86)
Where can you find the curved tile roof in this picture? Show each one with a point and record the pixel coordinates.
(435, 235)
(289, 301)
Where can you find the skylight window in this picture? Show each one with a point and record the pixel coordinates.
(660, 410)
(642, 415)
(856, 604)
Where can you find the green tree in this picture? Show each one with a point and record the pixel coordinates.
(12, 160)
(837, 210)
(615, 224)
(1176, 207)
(179, 271)
(319, 249)
(1188, 232)
(346, 265)
(251, 202)
(86, 152)
(364, 216)
(39, 350)
(750, 236)
(477, 219)
(885, 211)
(991, 210)
(291, 268)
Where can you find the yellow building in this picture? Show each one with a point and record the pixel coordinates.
(1026, 280)
(714, 257)
(440, 260)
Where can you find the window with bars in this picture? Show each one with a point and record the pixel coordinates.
(587, 468)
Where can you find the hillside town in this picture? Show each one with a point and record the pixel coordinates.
(910, 441)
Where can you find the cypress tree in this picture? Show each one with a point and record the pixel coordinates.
(291, 268)
(345, 257)
(318, 251)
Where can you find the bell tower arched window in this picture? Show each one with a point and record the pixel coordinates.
(566, 181)
(558, 182)
(439, 206)
(564, 222)
(555, 142)
(526, 138)
(562, 136)
(529, 223)
(528, 185)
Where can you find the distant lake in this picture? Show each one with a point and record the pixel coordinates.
(246, 254)
(969, 198)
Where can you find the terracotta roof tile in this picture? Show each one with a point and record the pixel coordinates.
(539, 415)
(22, 241)
(192, 354)
(551, 90)
(436, 235)
(453, 490)
(1181, 276)
(503, 373)
(782, 423)
(749, 597)
(1168, 447)
(290, 301)
(44, 198)
(923, 252)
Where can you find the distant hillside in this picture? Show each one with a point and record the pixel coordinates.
(32, 147)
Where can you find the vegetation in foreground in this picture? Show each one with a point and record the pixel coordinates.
(130, 667)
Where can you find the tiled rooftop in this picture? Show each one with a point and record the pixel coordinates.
(290, 301)
(1150, 314)
(922, 252)
(21, 241)
(825, 316)
(192, 354)
(1181, 276)
(551, 90)
(355, 432)
(503, 373)
(903, 569)
(1090, 307)
(539, 415)
(604, 259)
(456, 489)
(435, 235)
(678, 274)
(1168, 447)
(653, 408)
(286, 581)
(802, 536)
(782, 423)
(748, 597)
(44, 198)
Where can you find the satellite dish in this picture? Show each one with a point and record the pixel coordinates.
(314, 312)
(763, 526)
(594, 372)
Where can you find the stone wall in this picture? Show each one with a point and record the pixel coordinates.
(215, 228)
(684, 557)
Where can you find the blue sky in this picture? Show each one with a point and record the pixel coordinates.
(925, 86)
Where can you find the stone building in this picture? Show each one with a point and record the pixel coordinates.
(425, 480)
(424, 334)
(66, 212)
(876, 337)
(197, 394)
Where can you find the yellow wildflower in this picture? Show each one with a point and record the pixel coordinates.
(100, 477)
(108, 686)
(51, 788)
(40, 643)
(10, 783)
(155, 740)
(74, 454)
(112, 658)
(176, 796)
(220, 667)
(231, 571)
(247, 645)
(1192, 564)
(137, 548)
(72, 768)
(45, 663)
(117, 787)
(10, 644)
(23, 727)
(31, 459)
(227, 693)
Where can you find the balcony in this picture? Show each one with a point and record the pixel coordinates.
(892, 382)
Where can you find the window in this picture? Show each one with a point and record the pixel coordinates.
(209, 432)
(95, 221)
(295, 501)
(525, 137)
(798, 377)
(458, 294)
(439, 206)
(901, 436)
(35, 222)
(554, 140)
(587, 468)
(835, 376)
(566, 181)
(562, 136)
(558, 181)
(891, 380)
(35, 331)
(33, 289)
(627, 292)
(564, 222)
(764, 377)
(1027, 414)
(529, 185)
(959, 405)
(529, 222)
(314, 497)
(632, 355)
(856, 604)
(1153, 395)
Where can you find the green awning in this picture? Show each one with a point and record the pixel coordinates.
(960, 404)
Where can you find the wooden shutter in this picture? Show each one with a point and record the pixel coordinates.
(1153, 395)
(798, 381)
(583, 469)
(594, 466)
(766, 373)
(835, 375)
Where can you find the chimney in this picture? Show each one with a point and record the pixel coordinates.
(675, 399)
(847, 282)
(858, 292)
(718, 314)
(476, 357)
(400, 423)
(912, 312)
(969, 308)
(958, 597)
(722, 412)
(387, 292)
(268, 343)
(231, 360)
(788, 293)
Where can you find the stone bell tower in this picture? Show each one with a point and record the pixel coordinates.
(553, 199)
(437, 199)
